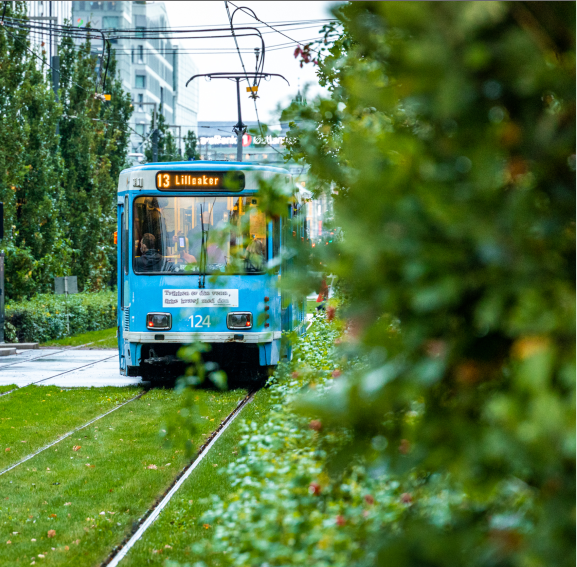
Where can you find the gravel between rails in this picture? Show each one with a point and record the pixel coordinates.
(148, 519)
(62, 437)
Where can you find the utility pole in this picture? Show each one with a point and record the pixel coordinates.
(239, 128)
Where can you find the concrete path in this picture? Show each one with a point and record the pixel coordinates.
(66, 368)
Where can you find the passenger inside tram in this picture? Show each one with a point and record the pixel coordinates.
(231, 230)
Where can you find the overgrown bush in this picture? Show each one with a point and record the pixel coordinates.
(43, 317)
(449, 136)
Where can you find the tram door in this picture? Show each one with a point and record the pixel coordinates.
(123, 287)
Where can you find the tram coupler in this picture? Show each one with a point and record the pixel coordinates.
(163, 360)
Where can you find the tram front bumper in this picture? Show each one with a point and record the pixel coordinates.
(187, 338)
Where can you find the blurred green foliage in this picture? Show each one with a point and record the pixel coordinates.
(448, 142)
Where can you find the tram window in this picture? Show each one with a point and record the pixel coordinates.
(190, 235)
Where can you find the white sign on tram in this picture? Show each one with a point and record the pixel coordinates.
(200, 297)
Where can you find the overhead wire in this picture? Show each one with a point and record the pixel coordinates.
(244, 10)
(262, 67)
(162, 33)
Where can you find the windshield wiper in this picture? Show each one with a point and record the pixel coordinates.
(204, 247)
(203, 251)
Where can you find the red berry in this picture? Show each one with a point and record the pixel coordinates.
(341, 520)
(406, 498)
(316, 425)
(369, 499)
(404, 446)
(314, 488)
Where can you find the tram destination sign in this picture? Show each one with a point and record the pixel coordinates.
(200, 297)
(200, 181)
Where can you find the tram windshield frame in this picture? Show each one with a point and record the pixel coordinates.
(198, 235)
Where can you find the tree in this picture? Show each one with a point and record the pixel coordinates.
(30, 165)
(167, 150)
(190, 146)
(58, 189)
(94, 137)
(450, 136)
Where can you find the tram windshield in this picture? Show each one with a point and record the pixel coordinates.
(180, 235)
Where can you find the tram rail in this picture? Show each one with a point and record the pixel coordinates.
(154, 511)
(72, 432)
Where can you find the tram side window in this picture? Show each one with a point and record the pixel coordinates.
(188, 235)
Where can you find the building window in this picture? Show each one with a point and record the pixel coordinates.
(110, 22)
(140, 81)
(132, 56)
(140, 54)
(140, 129)
(140, 101)
(140, 31)
(162, 98)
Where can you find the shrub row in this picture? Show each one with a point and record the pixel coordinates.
(43, 318)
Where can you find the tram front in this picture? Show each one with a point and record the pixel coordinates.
(192, 256)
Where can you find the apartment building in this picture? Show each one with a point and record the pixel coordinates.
(153, 69)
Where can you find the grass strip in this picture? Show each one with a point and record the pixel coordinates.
(7, 388)
(73, 506)
(179, 525)
(106, 338)
(33, 416)
(312, 306)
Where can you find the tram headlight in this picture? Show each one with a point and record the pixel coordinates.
(239, 320)
(159, 321)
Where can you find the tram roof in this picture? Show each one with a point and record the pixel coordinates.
(206, 166)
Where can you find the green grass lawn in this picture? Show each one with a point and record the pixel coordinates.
(7, 388)
(179, 525)
(33, 416)
(105, 338)
(312, 306)
(92, 497)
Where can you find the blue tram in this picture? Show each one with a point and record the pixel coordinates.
(198, 261)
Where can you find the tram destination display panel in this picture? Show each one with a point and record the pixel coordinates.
(200, 181)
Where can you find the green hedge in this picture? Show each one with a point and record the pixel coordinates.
(43, 317)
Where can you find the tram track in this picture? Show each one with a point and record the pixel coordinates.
(120, 551)
(72, 432)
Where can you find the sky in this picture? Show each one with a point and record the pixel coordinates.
(218, 97)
